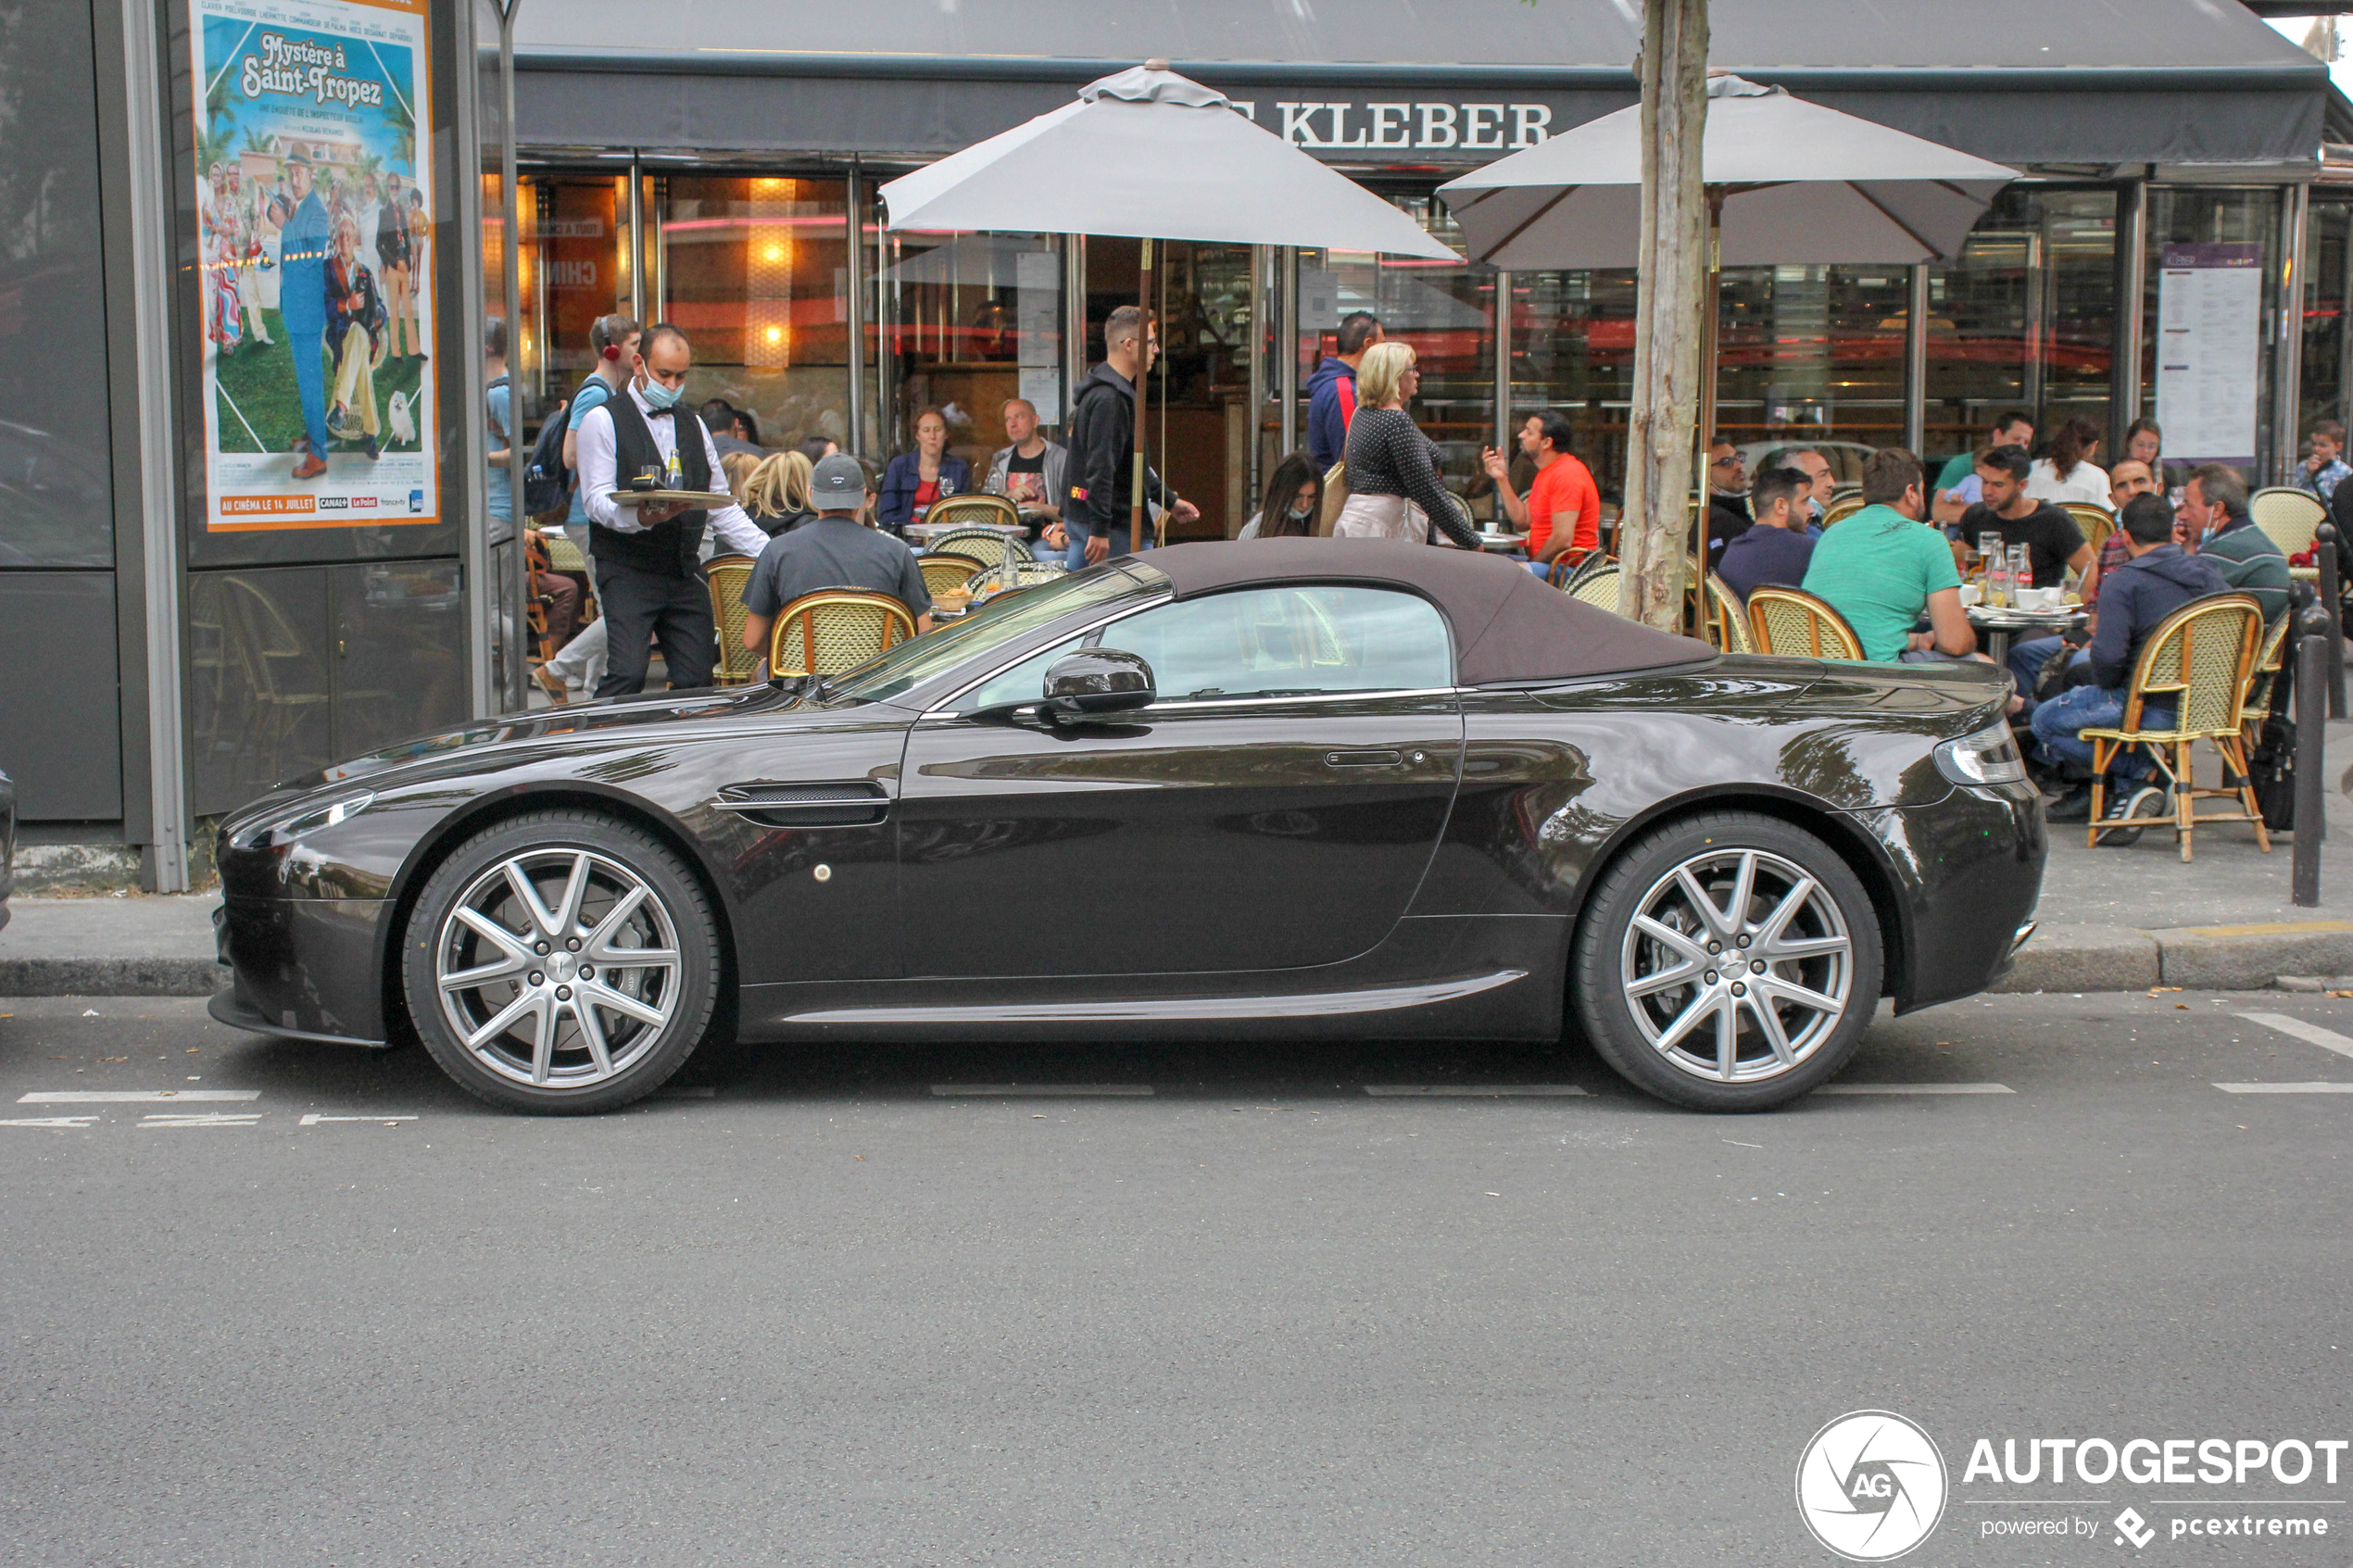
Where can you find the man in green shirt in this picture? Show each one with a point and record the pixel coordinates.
(2212, 521)
(1883, 569)
(1956, 487)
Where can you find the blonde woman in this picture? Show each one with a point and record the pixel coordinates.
(1393, 488)
(776, 496)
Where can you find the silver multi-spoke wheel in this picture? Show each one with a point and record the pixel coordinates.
(1738, 965)
(558, 967)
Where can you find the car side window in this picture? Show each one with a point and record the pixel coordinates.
(1025, 681)
(1306, 640)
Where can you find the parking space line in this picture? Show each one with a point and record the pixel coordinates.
(2312, 1033)
(203, 1119)
(118, 1097)
(89, 1121)
(2286, 1088)
(313, 1119)
(1468, 1091)
(1916, 1089)
(1057, 1091)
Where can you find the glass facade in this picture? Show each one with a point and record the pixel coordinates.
(759, 267)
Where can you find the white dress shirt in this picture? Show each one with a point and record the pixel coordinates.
(594, 447)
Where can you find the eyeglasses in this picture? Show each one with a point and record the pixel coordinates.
(1732, 462)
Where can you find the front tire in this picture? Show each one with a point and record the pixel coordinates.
(561, 964)
(1728, 962)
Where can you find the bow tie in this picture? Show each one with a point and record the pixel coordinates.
(662, 413)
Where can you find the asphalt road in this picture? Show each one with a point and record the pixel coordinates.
(811, 1311)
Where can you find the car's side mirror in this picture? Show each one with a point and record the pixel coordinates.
(1097, 681)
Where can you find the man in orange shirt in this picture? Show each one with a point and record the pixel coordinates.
(1563, 511)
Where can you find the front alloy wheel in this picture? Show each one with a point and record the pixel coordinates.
(1728, 962)
(561, 962)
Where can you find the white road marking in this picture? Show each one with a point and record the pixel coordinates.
(313, 1119)
(2312, 1034)
(1473, 1091)
(88, 1121)
(118, 1097)
(1916, 1089)
(2286, 1088)
(1057, 1091)
(205, 1119)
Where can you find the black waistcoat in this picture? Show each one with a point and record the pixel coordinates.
(671, 548)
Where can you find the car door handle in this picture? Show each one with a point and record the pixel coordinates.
(851, 803)
(1362, 759)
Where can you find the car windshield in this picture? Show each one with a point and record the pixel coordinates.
(999, 622)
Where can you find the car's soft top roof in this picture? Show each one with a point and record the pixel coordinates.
(1509, 624)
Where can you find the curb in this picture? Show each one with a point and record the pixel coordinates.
(114, 977)
(2208, 958)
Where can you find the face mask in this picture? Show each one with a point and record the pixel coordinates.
(660, 396)
(1301, 511)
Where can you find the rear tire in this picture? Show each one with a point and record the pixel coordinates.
(561, 964)
(1726, 963)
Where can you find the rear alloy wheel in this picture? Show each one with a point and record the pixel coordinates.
(1728, 962)
(561, 964)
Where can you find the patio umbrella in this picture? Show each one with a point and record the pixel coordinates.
(1788, 181)
(1154, 155)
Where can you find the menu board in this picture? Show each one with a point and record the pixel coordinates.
(314, 197)
(2210, 351)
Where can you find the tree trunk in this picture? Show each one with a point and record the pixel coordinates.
(1662, 436)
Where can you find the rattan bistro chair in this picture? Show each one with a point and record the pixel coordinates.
(1726, 622)
(2289, 516)
(945, 570)
(2204, 655)
(2097, 522)
(729, 576)
(2264, 681)
(1794, 624)
(1597, 587)
(982, 544)
(977, 507)
(1841, 507)
(834, 629)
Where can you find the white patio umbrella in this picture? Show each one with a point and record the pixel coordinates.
(1788, 181)
(1154, 155)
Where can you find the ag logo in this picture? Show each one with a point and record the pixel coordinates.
(1871, 1485)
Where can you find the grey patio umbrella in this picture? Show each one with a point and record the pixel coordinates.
(1157, 156)
(1788, 181)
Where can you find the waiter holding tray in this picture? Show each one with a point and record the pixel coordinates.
(646, 469)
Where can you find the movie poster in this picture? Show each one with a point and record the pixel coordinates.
(314, 200)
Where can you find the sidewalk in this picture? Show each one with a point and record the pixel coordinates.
(2110, 920)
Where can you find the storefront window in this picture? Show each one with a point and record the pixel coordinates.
(2207, 358)
(1814, 354)
(1446, 309)
(756, 272)
(2328, 251)
(574, 269)
(1572, 344)
(968, 322)
(2026, 318)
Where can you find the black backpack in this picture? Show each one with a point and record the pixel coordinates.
(546, 483)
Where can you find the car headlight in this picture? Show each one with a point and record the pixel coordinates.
(1989, 756)
(311, 819)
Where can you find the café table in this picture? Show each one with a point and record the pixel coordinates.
(1501, 541)
(1996, 627)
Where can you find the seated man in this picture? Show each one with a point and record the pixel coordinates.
(1562, 512)
(2159, 578)
(1883, 569)
(2055, 546)
(832, 550)
(1033, 473)
(1777, 549)
(2215, 522)
(1821, 487)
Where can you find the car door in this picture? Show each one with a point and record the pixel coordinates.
(1274, 807)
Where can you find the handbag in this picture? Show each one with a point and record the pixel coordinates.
(2271, 769)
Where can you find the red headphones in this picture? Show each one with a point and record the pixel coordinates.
(612, 351)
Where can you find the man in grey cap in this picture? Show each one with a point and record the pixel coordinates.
(832, 550)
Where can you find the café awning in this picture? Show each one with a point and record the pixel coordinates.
(2081, 84)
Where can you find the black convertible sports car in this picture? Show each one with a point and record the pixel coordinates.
(1274, 788)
